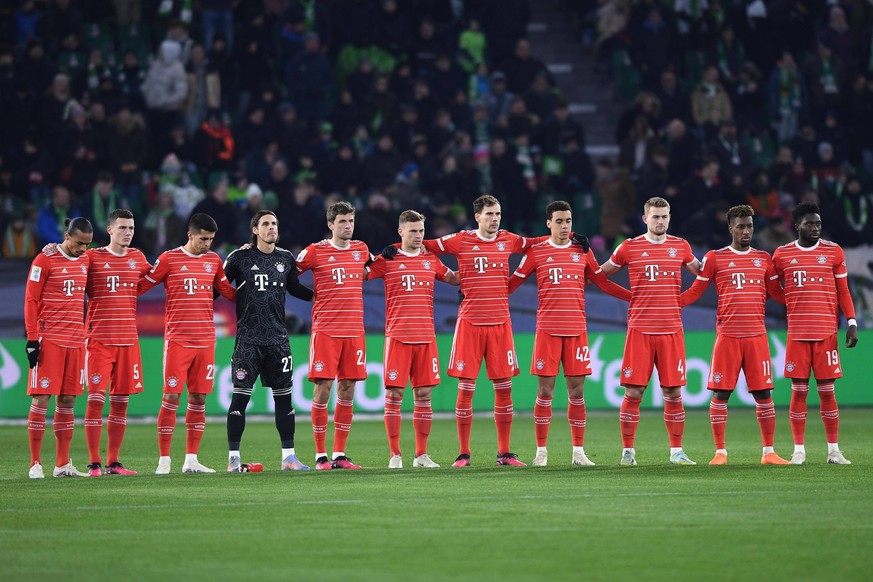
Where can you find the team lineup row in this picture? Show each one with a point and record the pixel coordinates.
(101, 353)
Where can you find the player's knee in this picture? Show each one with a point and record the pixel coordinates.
(422, 393)
(761, 395)
(724, 395)
(65, 400)
(282, 402)
(239, 402)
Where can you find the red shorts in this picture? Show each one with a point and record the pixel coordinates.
(642, 352)
(418, 362)
(551, 351)
(58, 371)
(119, 367)
(821, 356)
(491, 342)
(341, 358)
(192, 366)
(729, 354)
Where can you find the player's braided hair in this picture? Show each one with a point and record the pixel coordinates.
(339, 208)
(741, 211)
(803, 209)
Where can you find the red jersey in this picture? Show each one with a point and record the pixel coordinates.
(112, 290)
(338, 273)
(815, 283)
(561, 274)
(742, 279)
(655, 273)
(54, 301)
(483, 265)
(189, 281)
(409, 281)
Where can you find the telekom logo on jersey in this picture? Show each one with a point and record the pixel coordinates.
(555, 275)
(338, 274)
(69, 285)
(112, 282)
(651, 271)
(738, 279)
(480, 263)
(799, 278)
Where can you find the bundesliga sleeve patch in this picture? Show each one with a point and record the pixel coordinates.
(35, 273)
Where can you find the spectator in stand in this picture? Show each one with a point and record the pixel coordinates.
(301, 216)
(841, 38)
(393, 29)
(827, 77)
(645, 104)
(345, 116)
(62, 24)
(50, 222)
(675, 103)
(637, 147)
(54, 112)
(380, 105)
(406, 128)
(127, 11)
(214, 145)
(426, 45)
(787, 95)
(252, 132)
(471, 46)
(292, 136)
(541, 97)
(762, 196)
(734, 159)
(440, 135)
(360, 82)
(498, 100)
(616, 190)
(259, 163)
(175, 180)
(653, 179)
(703, 187)
(508, 179)
(100, 202)
(750, 101)
(730, 56)
(850, 215)
(446, 79)
(521, 69)
(79, 149)
(706, 227)
(165, 89)
(774, 234)
(557, 126)
(710, 103)
(383, 163)
(177, 31)
(653, 46)
(684, 151)
(577, 172)
(130, 79)
(94, 72)
(19, 239)
(204, 90)
(217, 19)
(344, 173)
(805, 142)
(36, 69)
(254, 55)
(162, 228)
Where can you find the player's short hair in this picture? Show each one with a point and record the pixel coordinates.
(256, 219)
(120, 213)
(202, 223)
(338, 208)
(483, 201)
(655, 202)
(78, 224)
(803, 209)
(741, 211)
(557, 206)
(411, 216)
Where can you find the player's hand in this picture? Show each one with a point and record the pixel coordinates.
(246, 247)
(50, 249)
(32, 349)
(582, 241)
(389, 252)
(852, 336)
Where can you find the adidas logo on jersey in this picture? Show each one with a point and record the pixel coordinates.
(255, 268)
(475, 247)
(769, 381)
(793, 262)
(64, 271)
(550, 260)
(184, 268)
(138, 385)
(645, 254)
(402, 266)
(837, 371)
(330, 259)
(731, 264)
(106, 266)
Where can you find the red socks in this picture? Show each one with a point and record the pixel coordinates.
(718, 413)
(195, 424)
(64, 424)
(766, 413)
(464, 413)
(542, 419)
(576, 416)
(503, 414)
(629, 418)
(797, 411)
(392, 423)
(94, 424)
(35, 431)
(342, 424)
(319, 428)
(166, 425)
(830, 413)
(117, 423)
(422, 418)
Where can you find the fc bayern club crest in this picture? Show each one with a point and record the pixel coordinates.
(240, 374)
(318, 366)
(84, 269)
(821, 259)
(280, 267)
(132, 264)
(627, 372)
(716, 377)
(392, 375)
(460, 365)
(425, 264)
(208, 267)
(44, 383)
(575, 257)
(172, 381)
(672, 252)
(789, 366)
(96, 378)
(757, 262)
(356, 255)
(501, 246)
(540, 364)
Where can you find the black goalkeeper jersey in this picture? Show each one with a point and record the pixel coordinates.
(261, 282)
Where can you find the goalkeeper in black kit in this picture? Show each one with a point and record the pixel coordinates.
(262, 273)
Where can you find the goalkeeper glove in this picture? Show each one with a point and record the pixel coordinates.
(389, 252)
(582, 241)
(32, 349)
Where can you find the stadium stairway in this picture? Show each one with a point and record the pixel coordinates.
(556, 39)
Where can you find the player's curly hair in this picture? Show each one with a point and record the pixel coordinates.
(803, 209)
(483, 201)
(557, 206)
(741, 211)
(339, 208)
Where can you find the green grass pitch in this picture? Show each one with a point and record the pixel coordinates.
(653, 521)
